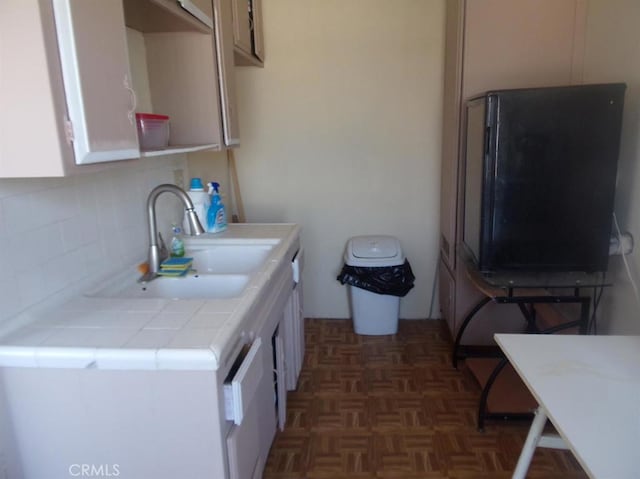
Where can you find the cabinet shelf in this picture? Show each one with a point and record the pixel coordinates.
(173, 149)
(155, 16)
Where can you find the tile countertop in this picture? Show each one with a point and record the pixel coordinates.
(116, 333)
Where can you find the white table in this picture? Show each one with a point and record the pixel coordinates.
(589, 388)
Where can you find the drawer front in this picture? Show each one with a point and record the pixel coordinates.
(243, 387)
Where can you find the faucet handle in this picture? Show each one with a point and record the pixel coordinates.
(164, 252)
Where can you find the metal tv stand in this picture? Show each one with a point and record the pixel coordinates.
(534, 294)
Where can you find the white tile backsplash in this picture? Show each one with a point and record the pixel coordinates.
(79, 230)
(18, 213)
(67, 337)
(10, 301)
(28, 336)
(60, 233)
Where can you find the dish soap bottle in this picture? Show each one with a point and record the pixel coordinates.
(177, 244)
(216, 216)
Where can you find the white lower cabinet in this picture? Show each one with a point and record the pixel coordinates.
(191, 422)
(257, 382)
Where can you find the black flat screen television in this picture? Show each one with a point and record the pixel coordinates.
(539, 178)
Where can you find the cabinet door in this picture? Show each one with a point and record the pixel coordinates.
(265, 405)
(256, 27)
(243, 446)
(30, 88)
(97, 81)
(242, 26)
(223, 17)
(298, 331)
(451, 130)
(293, 324)
(528, 43)
(281, 378)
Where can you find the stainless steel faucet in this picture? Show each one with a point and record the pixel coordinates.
(195, 228)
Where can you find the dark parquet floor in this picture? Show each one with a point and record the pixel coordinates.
(393, 407)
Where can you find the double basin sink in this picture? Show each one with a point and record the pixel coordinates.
(221, 269)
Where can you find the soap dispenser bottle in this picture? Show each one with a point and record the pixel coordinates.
(216, 216)
(177, 243)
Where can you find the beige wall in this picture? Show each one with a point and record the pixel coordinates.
(611, 55)
(341, 133)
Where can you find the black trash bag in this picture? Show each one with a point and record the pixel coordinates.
(392, 280)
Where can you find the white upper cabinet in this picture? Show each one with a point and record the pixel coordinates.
(256, 26)
(247, 32)
(95, 66)
(242, 26)
(32, 100)
(72, 81)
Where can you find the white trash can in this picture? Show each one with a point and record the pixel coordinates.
(373, 313)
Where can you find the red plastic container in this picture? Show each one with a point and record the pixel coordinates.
(153, 131)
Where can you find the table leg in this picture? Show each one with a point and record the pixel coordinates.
(530, 444)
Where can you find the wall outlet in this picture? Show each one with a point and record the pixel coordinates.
(621, 244)
(178, 177)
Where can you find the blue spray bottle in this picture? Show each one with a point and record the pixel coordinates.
(216, 216)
